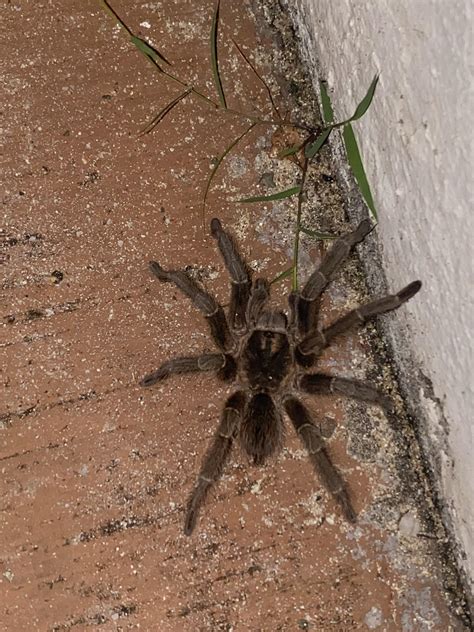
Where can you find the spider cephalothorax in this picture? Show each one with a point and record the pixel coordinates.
(267, 357)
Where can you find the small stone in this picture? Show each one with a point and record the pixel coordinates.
(56, 277)
(408, 525)
(267, 180)
(374, 618)
(256, 487)
(8, 574)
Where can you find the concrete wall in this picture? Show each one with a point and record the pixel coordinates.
(416, 143)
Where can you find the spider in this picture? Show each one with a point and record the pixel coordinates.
(268, 358)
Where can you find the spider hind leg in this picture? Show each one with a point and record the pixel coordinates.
(216, 458)
(319, 456)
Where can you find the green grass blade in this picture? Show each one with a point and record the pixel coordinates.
(316, 234)
(312, 149)
(328, 114)
(274, 196)
(259, 77)
(283, 275)
(363, 106)
(111, 11)
(361, 109)
(216, 167)
(214, 57)
(355, 162)
(290, 151)
(299, 213)
(148, 51)
(162, 113)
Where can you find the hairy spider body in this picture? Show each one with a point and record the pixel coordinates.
(267, 356)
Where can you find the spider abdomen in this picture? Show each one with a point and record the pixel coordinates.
(261, 432)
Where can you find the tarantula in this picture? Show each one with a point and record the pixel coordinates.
(266, 357)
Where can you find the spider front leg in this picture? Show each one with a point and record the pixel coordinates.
(322, 384)
(206, 303)
(239, 274)
(309, 299)
(314, 443)
(224, 364)
(316, 340)
(216, 457)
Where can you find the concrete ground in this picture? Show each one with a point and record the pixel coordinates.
(96, 470)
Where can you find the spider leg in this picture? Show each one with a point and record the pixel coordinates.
(322, 384)
(206, 303)
(314, 443)
(258, 297)
(309, 299)
(239, 274)
(216, 457)
(318, 340)
(188, 364)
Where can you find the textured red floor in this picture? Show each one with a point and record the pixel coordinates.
(95, 470)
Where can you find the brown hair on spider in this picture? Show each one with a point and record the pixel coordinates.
(271, 360)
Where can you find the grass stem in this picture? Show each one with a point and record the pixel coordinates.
(296, 246)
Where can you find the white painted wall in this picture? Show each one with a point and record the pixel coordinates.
(417, 148)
